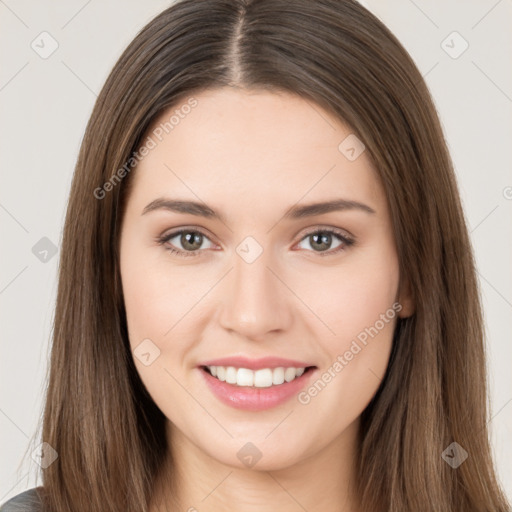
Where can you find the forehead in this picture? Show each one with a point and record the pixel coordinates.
(255, 148)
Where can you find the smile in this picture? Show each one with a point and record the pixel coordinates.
(256, 390)
(263, 378)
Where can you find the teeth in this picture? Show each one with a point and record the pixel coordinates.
(263, 378)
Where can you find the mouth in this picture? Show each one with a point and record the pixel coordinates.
(256, 390)
(262, 378)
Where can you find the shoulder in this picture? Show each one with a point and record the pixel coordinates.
(28, 501)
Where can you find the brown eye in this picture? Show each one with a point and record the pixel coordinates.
(321, 241)
(188, 242)
(191, 240)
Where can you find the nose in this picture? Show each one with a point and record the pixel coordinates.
(257, 301)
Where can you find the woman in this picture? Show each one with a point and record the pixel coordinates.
(265, 279)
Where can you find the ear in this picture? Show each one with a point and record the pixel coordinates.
(405, 299)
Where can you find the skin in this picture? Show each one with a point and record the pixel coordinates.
(252, 155)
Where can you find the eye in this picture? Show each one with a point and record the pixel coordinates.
(322, 239)
(190, 240)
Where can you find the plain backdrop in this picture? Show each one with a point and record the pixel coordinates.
(44, 107)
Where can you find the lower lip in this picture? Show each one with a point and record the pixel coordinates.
(255, 399)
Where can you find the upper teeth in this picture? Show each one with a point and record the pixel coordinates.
(260, 378)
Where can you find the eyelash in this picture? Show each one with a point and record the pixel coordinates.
(346, 241)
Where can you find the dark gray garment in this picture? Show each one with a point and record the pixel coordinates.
(27, 501)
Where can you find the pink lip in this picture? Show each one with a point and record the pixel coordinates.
(256, 364)
(255, 399)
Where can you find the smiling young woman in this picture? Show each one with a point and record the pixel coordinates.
(265, 279)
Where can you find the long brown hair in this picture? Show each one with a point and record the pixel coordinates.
(108, 432)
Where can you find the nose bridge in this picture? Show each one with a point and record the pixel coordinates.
(255, 301)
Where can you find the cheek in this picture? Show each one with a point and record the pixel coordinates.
(359, 306)
(143, 295)
(165, 303)
(157, 298)
(353, 296)
(157, 294)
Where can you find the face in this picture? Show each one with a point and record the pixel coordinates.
(254, 271)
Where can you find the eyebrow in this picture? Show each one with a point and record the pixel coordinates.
(295, 212)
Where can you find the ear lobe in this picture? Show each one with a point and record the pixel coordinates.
(406, 300)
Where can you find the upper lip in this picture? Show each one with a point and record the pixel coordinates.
(256, 364)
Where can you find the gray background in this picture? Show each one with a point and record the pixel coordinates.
(45, 104)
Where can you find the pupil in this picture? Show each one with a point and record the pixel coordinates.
(324, 240)
(188, 244)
